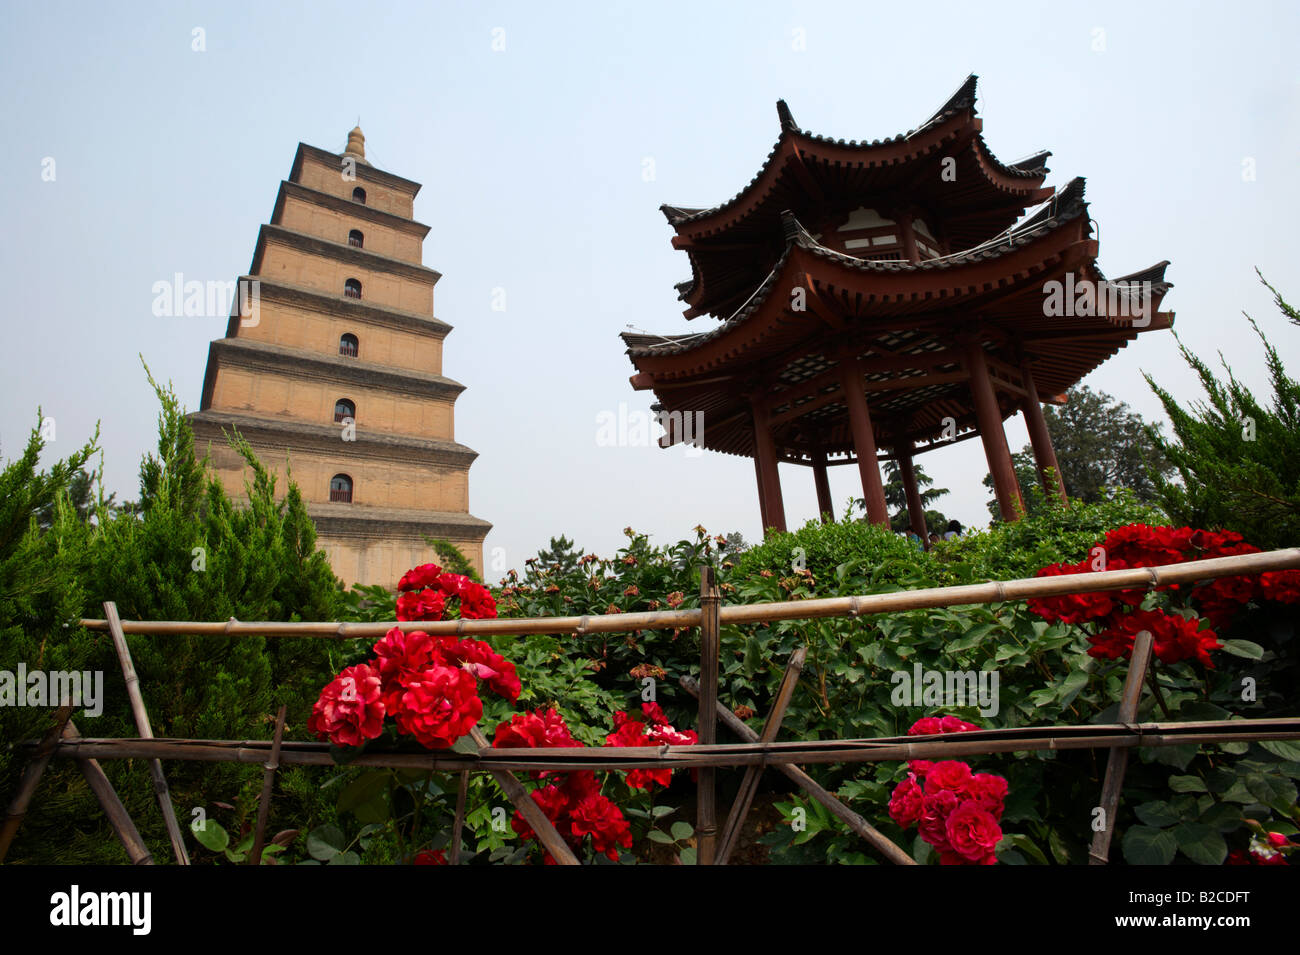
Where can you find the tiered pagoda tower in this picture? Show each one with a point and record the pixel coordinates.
(878, 300)
(333, 366)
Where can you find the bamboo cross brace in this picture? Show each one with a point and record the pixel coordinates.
(118, 817)
(1117, 762)
(146, 732)
(268, 781)
(459, 824)
(874, 837)
(749, 785)
(31, 779)
(706, 821)
(532, 813)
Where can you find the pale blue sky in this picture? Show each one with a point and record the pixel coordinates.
(167, 160)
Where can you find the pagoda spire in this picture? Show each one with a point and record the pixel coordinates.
(356, 147)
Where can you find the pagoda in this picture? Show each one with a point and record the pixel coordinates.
(878, 300)
(332, 364)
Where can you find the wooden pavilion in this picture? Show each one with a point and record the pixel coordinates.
(878, 300)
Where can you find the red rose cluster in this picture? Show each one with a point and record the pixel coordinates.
(1176, 638)
(956, 811)
(656, 731)
(423, 593)
(427, 684)
(573, 802)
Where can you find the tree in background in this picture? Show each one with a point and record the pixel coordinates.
(1238, 461)
(896, 499)
(559, 558)
(1100, 445)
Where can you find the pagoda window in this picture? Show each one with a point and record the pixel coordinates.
(352, 288)
(341, 489)
(348, 345)
(359, 195)
(356, 238)
(344, 409)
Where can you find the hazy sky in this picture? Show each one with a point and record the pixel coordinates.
(530, 126)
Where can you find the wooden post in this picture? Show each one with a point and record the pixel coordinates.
(706, 823)
(796, 775)
(268, 782)
(765, 447)
(118, 817)
(989, 419)
(864, 442)
(825, 509)
(31, 778)
(915, 509)
(146, 732)
(458, 824)
(749, 785)
(1117, 763)
(1040, 438)
(909, 238)
(762, 491)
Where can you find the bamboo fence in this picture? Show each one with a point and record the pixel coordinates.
(756, 751)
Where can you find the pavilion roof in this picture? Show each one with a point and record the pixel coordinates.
(732, 244)
(899, 320)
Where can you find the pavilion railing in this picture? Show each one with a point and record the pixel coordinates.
(756, 752)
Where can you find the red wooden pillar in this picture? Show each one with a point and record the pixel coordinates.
(762, 493)
(1040, 438)
(765, 449)
(864, 442)
(915, 509)
(824, 506)
(989, 420)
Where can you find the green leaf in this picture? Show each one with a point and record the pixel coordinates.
(681, 830)
(1201, 843)
(1187, 784)
(1060, 851)
(1282, 748)
(1157, 814)
(658, 835)
(211, 834)
(1243, 648)
(345, 858)
(687, 856)
(325, 842)
(465, 745)
(663, 810)
(1146, 846)
(1223, 816)
(364, 790)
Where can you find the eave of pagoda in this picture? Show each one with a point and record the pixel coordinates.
(905, 328)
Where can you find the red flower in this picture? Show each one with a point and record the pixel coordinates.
(435, 857)
(973, 832)
(1070, 608)
(484, 663)
(439, 706)
(417, 578)
(988, 791)
(596, 816)
(933, 726)
(1281, 585)
(401, 656)
(536, 729)
(1175, 637)
(934, 818)
(951, 774)
(422, 605)
(350, 709)
(907, 804)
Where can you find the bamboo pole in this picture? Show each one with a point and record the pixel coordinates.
(458, 825)
(142, 724)
(875, 838)
(532, 813)
(31, 779)
(114, 811)
(749, 785)
(268, 781)
(706, 822)
(605, 759)
(1117, 762)
(1141, 578)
